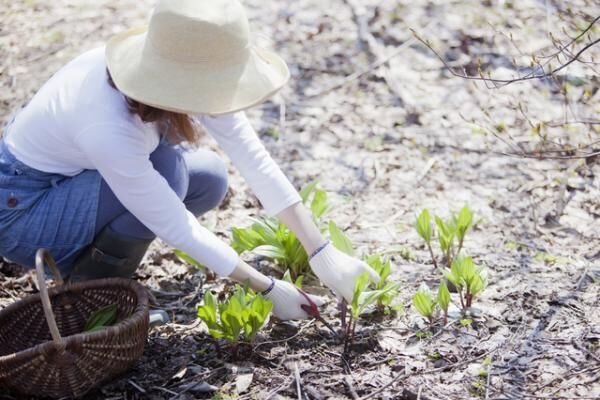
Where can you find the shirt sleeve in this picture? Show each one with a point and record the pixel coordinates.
(237, 138)
(121, 156)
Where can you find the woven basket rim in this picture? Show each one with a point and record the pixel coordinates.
(113, 330)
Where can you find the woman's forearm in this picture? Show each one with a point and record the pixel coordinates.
(245, 274)
(300, 221)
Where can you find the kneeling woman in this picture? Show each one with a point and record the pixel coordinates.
(93, 168)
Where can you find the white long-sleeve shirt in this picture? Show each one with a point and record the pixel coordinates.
(77, 121)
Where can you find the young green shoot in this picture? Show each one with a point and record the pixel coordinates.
(450, 233)
(468, 279)
(383, 267)
(237, 319)
(363, 297)
(270, 238)
(425, 303)
(423, 226)
(443, 299)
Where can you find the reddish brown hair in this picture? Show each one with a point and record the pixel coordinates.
(177, 127)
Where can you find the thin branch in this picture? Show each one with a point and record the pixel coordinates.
(532, 75)
(561, 49)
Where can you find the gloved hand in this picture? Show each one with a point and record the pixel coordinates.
(287, 301)
(339, 271)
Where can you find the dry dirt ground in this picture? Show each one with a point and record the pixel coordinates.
(387, 141)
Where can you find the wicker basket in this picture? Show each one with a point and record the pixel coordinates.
(42, 349)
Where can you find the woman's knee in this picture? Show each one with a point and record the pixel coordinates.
(207, 180)
(169, 162)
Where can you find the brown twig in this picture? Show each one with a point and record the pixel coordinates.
(298, 381)
(348, 382)
(497, 83)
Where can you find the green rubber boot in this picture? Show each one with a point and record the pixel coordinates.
(111, 254)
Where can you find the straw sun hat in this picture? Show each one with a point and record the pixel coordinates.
(195, 57)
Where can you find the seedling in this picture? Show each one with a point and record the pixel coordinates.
(270, 238)
(242, 315)
(423, 226)
(450, 234)
(443, 299)
(362, 298)
(425, 303)
(383, 267)
(468, 279)
(365, 294)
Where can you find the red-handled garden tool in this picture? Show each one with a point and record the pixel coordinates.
(313, 310)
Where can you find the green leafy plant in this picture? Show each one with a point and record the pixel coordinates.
(270, 238)
(101, 318)
(366, 294)
(383, 267)
(423, 226)
(443, 299)
(424, 303)
(363, 297)
(288, 278)
(468, 279)
(242, 315)
(340, 240)
(450, 234)
(461, 274)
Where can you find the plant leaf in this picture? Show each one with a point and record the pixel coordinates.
(463, 222)
(424, 303)
(306, 191)
(443, 297)
(186, 258)
(423, 225)
(102, 318)
(319, 206)
(339, 239)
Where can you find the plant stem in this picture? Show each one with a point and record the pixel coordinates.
(460, 245)
(347, 337)
(460, 296)
(449, 257)
(343, 306)
(468, 298)
(432, 255)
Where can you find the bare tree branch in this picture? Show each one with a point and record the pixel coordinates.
(497, 83)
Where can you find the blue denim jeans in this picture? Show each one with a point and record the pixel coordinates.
(41, 209)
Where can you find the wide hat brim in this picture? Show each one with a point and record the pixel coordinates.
(192, 88)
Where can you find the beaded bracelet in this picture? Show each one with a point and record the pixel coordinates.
(271, 286)
(321, 247)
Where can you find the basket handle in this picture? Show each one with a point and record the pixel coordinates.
(40, 256)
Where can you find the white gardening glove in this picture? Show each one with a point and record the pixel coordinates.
(339, 271)
(287, 301)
